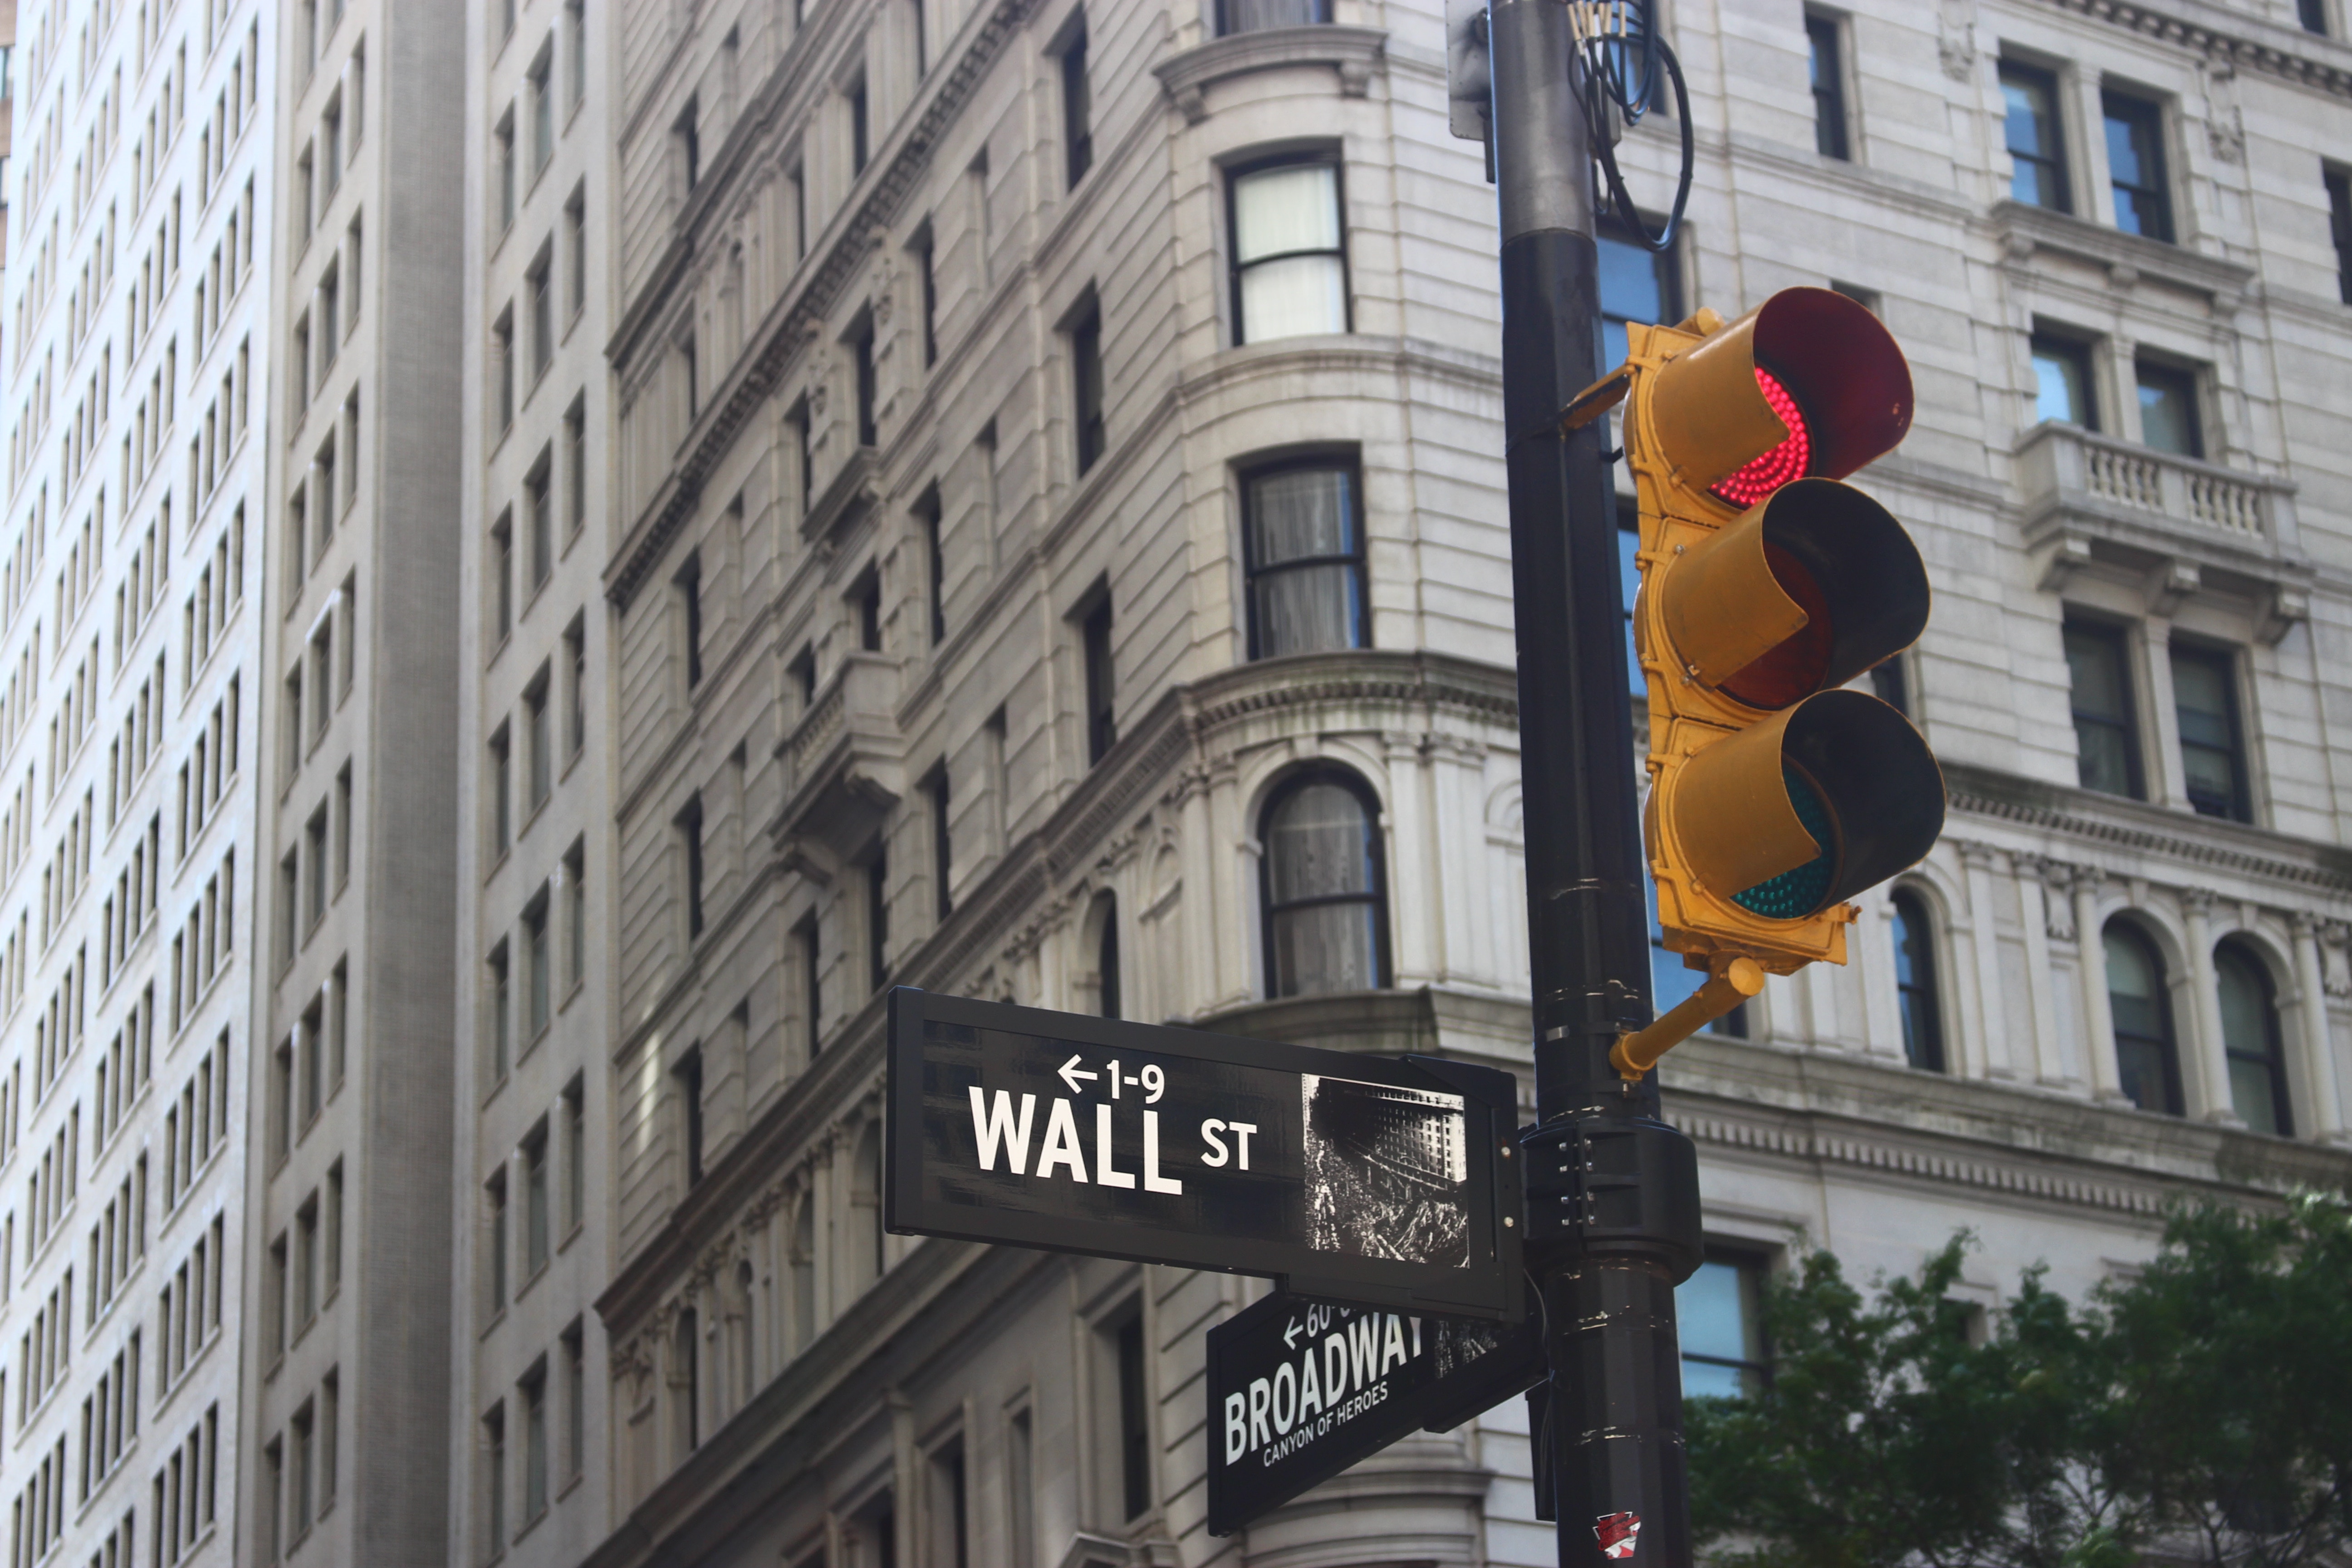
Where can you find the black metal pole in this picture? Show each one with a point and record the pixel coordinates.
(1612, 1192)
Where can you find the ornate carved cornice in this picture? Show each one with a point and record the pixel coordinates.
(2206, 29)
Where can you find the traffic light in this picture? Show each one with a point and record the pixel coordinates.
(1776, 795)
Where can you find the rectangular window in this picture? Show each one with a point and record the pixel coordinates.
(2205, 702)
(860, 149)
(928, 281)
(575, 914)
(2106, 741)
(537, 961)
(500, 980)
(935, 792)
(1829, 86)
(1719, 1312)
(2339, 228)
(1101, 717)
(1637, 284)
(494, 1480)
(540, 282)
(1249, 16)
(533, 1392)
(494, 1241)
(575, 467)
(2313, 15)
(877, 919)
(502, 786)
(1077, 108)
(2136, 165)
(862, 352)
(2167, 409)
(575, 1401)
(934, 560)
(812, 979)
(575, 252)
(1086, 385)
(314, 850)
(539, 748)
(542, 107)
(502, 367)
(689, 834)
(1134, 1416)
(1302, 547)
(575, 1154)
(575, 32)
(1290, 267)
(539, 509)
(2036, 149)
(949, 1510)
(869, 612)
(687, 1078)
(536, 1215)
(687, 135)
(2062, 388)
(503, 140)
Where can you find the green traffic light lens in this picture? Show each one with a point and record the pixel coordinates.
(1793, 895)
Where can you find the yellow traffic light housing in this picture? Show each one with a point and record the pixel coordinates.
(1766, 586)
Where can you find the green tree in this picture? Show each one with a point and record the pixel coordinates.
(2203, 1406)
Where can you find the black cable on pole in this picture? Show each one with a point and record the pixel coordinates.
(1615, 76)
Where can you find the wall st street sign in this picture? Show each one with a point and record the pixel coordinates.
(1381, 1181)
(1300, 1389)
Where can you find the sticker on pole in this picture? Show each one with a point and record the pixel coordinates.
(1617, 1534)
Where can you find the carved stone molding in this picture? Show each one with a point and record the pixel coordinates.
(1354, 52)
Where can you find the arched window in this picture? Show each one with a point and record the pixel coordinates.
(2147, 1065)
(2249, 1038)
(804, 1267)
(1106, 991)
(1321, 888)
(1915, 984)
(1303, 544)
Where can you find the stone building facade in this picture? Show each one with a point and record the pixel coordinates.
(1057, 554)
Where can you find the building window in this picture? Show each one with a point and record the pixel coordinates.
(1915, 983)
(949, 1510)
(1322, 889)
(1107, 984)
(1086, 384)
(2147, 1065)
(504, 139)
(2168, 410)
(494, 1480)
(2339, 228)
(812, 979)
(685, 1383)
(2106, 742)
(2313, 15)
(935, 792)
(1891, 683)
(501, 783)
(2136, 165)
(1077, 108)
(860, 128)
(1829, 86)
(935, 560)
(2250, 1038)
(1249, 16)
(539, 739)
(537, 964)
(542, 107)
(535, 1199)
(575, 921)
(533, 1392)
(1304, 551)
(2062, 382)
(1637, 284)
(862, 351)
(1719, 1319)
(927, 276)
(877, 919)
(540, 284)
(2036, 149)
(688, 136)
(501, 1009)
(494, 1241)
(1102, 694)
(2205, 702)
(690, 606)
(1291, 263)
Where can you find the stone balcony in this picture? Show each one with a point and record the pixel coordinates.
(2092, 504)
(844, 764)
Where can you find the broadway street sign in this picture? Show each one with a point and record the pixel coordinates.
(1372, 1180)
(1300, 1389)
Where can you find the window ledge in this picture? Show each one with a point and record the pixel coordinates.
(2178, 526)
(1354, 52)
(2024, 230)
(851, 491)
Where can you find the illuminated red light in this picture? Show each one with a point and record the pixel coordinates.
(1784, 463)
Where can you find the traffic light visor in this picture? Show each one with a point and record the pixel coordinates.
(1808, 384)
(1801, 593)
(1809, 807)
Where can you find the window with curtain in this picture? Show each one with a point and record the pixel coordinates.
(2249, 1039)
(1304, 548)
(2147, 1063)
(1323, 893)
(1915, 984)
(1720, 1324)
(1290, 260)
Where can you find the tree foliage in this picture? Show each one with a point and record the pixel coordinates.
(2202, 1409)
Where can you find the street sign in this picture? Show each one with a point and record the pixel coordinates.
(1299, 1389)
(1379, 1180)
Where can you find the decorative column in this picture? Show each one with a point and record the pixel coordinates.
(2041, 907)
(1417, 893)
(1195, 983)
(2091, 965)
(1992, 1046)
(2206, 1058)
(2326, 1113)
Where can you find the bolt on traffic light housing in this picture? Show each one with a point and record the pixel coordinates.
(1767, 586)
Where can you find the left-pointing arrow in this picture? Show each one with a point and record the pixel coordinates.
(1290, 1334)
(1070, 1072)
